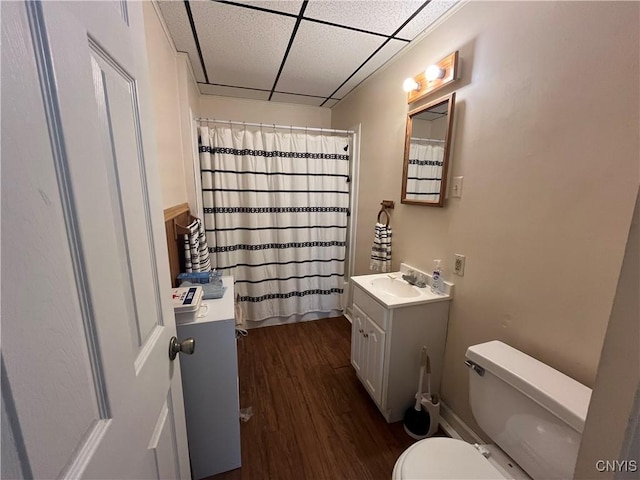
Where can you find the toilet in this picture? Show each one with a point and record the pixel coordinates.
(533, 413)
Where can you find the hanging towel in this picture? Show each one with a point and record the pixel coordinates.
(196, 251)
(381, 249)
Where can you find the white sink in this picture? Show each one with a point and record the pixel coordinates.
(395, 287)
(392, 291)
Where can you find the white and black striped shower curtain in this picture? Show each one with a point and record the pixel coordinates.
(424, 173)
(275, 212)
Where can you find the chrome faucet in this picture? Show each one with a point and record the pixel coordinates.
(414, 279)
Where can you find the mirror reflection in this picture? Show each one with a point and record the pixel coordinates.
(426, 155)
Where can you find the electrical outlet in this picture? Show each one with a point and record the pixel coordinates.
(458, 265)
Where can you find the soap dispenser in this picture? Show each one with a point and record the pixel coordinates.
(436, 279)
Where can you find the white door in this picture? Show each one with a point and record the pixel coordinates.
(88, 390)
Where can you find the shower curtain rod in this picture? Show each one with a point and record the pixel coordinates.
(271, 125)
(427, 139)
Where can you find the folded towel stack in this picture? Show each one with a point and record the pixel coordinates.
(381, 249)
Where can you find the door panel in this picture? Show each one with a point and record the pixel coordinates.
(357, 343)
(86, 312)
(375, 355)
(117, 102)
(163, 444)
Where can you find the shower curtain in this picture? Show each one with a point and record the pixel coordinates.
(424, 173)
(275, 213)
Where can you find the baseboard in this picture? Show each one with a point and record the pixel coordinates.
(455, 427)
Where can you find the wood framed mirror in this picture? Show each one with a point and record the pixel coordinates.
(427, 150)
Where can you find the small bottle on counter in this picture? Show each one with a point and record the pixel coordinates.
(436, 279)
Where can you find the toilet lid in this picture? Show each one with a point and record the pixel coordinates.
(442, 458)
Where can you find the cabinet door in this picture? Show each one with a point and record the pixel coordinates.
(357, 341)
(374, 340)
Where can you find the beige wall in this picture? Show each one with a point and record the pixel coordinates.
(258, 111)
(169, 99)
(546, 137)
(189, 108)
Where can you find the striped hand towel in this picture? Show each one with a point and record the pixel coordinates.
(196, 251)
(381, 249)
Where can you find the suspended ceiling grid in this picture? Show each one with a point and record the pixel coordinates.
(305, 52)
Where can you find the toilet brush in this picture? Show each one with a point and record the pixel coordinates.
(416, 420)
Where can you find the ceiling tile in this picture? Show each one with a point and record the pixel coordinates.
(175, 16)
(330, 103)
(373, 15)
(240, 46)
(299, 99)
(388, 51)
(233, 92)
(426, 17)
(319, 60)
(286, 6)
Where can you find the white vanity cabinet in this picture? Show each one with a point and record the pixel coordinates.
(367, 352)
(385, 346)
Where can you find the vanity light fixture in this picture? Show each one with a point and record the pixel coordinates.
(410, 85)
(434, 72)
(433, 78)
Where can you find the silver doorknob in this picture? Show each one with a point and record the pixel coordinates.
(187, 346)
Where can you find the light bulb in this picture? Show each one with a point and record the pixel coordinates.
(433, 72)
(410, 85)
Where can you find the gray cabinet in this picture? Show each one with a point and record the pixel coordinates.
(210, 385)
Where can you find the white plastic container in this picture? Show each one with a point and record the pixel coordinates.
(186, 303)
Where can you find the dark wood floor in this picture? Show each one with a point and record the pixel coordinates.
(312, 418)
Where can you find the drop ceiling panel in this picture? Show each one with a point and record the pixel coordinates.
(330, 103)
(299, 99)
(373, 15)
(240, 46)
(175, 16)
(233, 92)
(287, 6)
(426, 17)
(322, 57)
(388, 51)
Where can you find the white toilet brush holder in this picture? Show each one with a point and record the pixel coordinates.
(431, 403)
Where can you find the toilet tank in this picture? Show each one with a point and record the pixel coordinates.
(531, 411)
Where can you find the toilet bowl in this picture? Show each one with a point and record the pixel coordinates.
(448, 458)
(533, 413)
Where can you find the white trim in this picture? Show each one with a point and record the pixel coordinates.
(448, 429)
(165, 28)
(195, 158)
(185, 58)
(179, 55)
(353, 207)
(454, 426)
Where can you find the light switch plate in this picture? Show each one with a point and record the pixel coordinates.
(458, 265)
(456, 187)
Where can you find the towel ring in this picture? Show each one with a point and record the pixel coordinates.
(384, 210)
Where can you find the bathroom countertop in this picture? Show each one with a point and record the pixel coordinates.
(424, 295)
